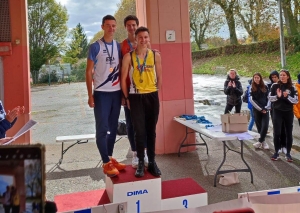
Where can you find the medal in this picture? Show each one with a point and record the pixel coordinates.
(142, 67)
(111, 69)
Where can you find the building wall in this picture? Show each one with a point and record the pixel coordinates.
(176, 95)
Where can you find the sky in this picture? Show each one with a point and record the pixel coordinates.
(88, 13)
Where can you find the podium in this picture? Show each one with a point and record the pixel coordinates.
(145, 194)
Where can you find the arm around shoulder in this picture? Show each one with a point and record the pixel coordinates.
(158, 70)
(126, 64)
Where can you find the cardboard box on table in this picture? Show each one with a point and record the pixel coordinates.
(234, 123)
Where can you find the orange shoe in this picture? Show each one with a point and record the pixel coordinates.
(119, 166)
(109, 169)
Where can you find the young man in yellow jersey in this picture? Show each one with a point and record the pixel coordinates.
(129, 44)
(142, 98)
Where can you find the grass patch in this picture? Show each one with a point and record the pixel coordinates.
(248, 64)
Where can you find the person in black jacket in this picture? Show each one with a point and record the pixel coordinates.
(233, 89)
(259, 101)
(274, 78)
(283, 96)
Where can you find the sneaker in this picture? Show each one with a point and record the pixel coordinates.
(109, 169)
(153, 169)
(275, 156)
(117, 165)
(279, 151)
(284, 151)
(265, 145)
(140, 169)
(289, 158)
(146, 161)
(135, 160)
(258, 145)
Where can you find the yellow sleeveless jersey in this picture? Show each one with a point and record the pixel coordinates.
(146, 81)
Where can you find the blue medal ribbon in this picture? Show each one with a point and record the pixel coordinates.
(112, 50)
(130, 45)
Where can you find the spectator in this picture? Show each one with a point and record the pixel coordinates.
(283, 96)
(7, 200)
(259, 100)
(15, 200)
(233, 89)
(7, 120)
(297, 106)
(250, 107)
(274, 78)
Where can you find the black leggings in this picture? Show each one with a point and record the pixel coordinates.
(229, 107)
(262, 123)
(283, 134)
(280, 117)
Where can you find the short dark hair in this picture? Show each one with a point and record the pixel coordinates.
(129, 18)
(141, 29)
(107, 17)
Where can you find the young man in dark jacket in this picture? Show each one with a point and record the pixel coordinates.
(233, 89)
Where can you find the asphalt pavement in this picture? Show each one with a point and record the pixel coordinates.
(63, 110)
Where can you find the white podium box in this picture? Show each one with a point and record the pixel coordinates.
(287, 190)
(182, 194)
(141, 194)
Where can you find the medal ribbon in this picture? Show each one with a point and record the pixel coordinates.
(112, 50)
(130, 45)
(141, 68)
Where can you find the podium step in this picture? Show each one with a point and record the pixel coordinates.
(81, 200)
(145, 194)
(127, 175)
(182, 194)
(180, 187)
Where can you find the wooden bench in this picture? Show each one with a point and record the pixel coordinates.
(80, 139)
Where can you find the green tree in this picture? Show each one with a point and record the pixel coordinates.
(47, 25)
(97, 36)
(254, 15)
(125, 8)
(83, 41)
(291, 11)
(74, 49)
(204, 19)
(228, 7)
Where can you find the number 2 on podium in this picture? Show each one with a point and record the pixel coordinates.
(138, 206)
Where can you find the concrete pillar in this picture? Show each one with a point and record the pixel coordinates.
(16, 72)
(176, 95)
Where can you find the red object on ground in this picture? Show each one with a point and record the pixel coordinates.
(243, 210)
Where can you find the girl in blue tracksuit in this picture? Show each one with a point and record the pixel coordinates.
(250, 107)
